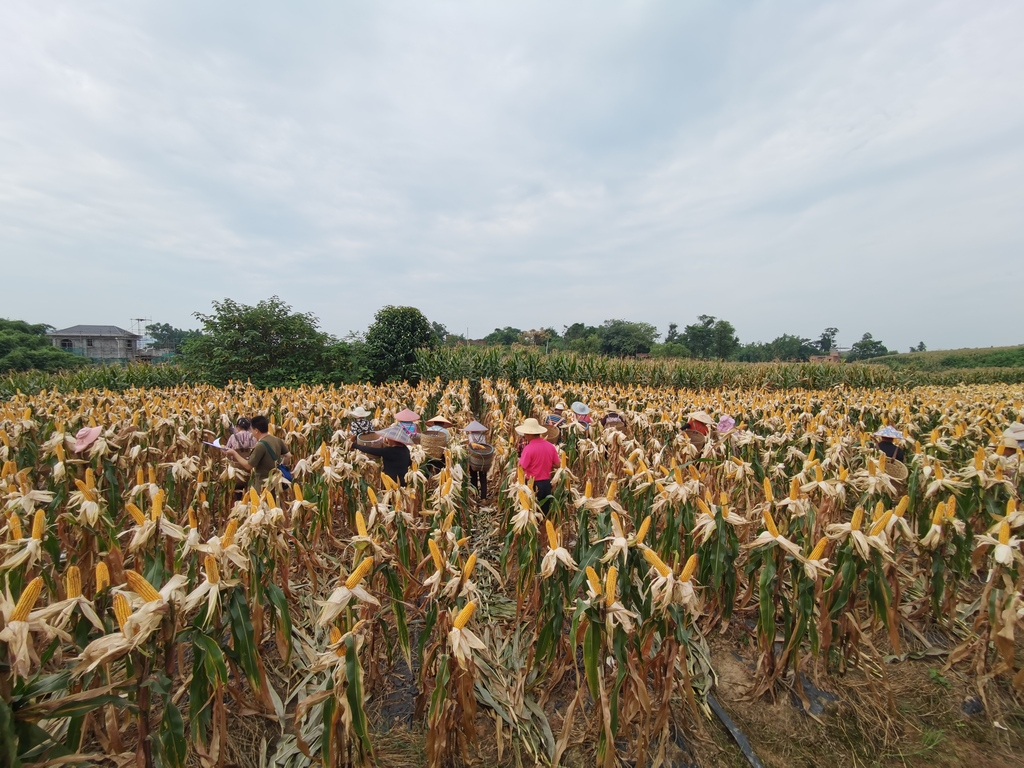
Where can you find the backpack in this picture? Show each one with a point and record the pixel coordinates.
(286, 473)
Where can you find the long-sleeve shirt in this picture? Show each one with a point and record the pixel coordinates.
(539, 459)
(396, 460)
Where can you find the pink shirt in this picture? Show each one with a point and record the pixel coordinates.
(538, 459)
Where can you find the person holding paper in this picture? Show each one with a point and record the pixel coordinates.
(266, 453)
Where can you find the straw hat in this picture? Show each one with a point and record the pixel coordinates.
(531, 427)
(407, 416)
(888, 431)
(397, 433)
(702, 417)
(1015, 430)
(560, 406)
(359, 413)
(1009, 442)
(475, 426)
(439, 419)
(580, 409)
(85, 437)
(612, 408)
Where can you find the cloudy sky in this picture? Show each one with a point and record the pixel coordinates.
(785, 165)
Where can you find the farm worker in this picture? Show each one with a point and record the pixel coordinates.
(557, 416)
(360, 424)
(407, 419)
(538, 460)
(699, 421)
(439, 424)
(1015, 432)
(612, 418)
(886, 443)
(243, 442)
(475, 435)
(395, 452)
(267, 452)
(582, 414)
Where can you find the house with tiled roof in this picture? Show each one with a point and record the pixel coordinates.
(106, 343)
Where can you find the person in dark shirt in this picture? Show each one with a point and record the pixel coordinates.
(267, 452)
(886, 443)
(394, 454)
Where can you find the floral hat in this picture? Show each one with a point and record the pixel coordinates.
(888, 431)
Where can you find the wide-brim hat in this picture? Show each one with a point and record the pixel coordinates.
(888, 431)
(560, 406)
(85, 437)
(407, 415)
(612, 408)
(531, 427)
(360, 413)
(439, 419)
(397, 433)
(1007, 441)
(702, 417)
(1015, 430)
(580, 409)
(475, 426)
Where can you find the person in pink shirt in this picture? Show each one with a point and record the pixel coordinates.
(539, 459)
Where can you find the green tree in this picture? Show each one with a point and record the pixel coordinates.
(267, 344)
(827, 340)
(726, 342)
(699, 337)
(506, 336)
(166, 336)
(26, 347)
(673, 333)
(867, 347)
(669, 349)
(621, 338)
(392, 341)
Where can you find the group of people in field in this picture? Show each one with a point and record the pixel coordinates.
(252, 448)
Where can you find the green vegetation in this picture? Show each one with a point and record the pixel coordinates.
(394, 337)
(25, 347)
(955, 359)
(115, 378)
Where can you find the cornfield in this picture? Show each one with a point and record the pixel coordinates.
(145, 611)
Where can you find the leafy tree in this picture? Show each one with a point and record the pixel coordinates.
(784, 347)
(921, 347)
(866, 348)
(620, 338)
(669, 349)
(726, 340)
(506, 336)
(440, 332)
(578, 331)
(166, 336)
(267, 344)
(710, 337)
(26, 347)
(827, 340)
(392, 341)
(673, 333)
(586, 345)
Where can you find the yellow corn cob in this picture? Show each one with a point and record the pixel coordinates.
(212, 572)
(656, 562)
(769, 524)
(192, 522)
(810, 456)
(27, 601)
(200, 477)
(137, 583)
(372, 496)
(136, 513)
(951, 507)
(38, 525)
(641, 533)
(59, 450)
(102, 576)
(998, 474)
(467, 571)
(589, 490)
(818, 476)
(595, 582)
(552, 534)
(269, 498)
(254, 497)
(819, 549)
(901, 508)
(690, 568)
(122, 610)
(151, 471)
(935, 435)
(871, 468)
(364, 567)
(881, 463)
(939, 514)
(660, 487)
(879, 511)
(140, 477)
(229, 534)
(462, 542)
(524, 500)
(858, 519)
(436, 554)
(723, 498)
(609, 586)
(979, 459)
(768, 490)
(612, 489)
(447, 486)
(1004, 532)
(520, 477)
(736, 460)
(360, 524)
(940, 474)
(702, 505)
(843, 474)
(1011, 507)
(464, 615)
(335, 635)
(73, 582)
(880, 524)
(563, 461)
(794, 489)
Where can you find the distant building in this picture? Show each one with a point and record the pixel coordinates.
(101, 343)
(831, 357)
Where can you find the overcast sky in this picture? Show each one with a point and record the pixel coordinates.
(784, 165)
